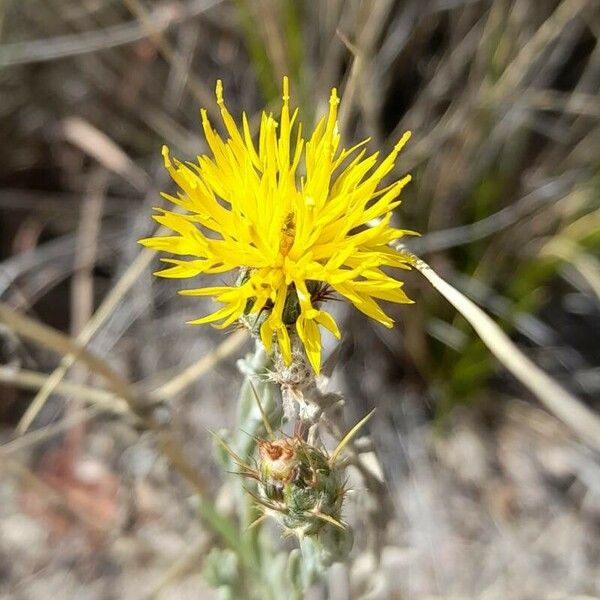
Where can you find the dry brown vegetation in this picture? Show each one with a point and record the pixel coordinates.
(103, 456)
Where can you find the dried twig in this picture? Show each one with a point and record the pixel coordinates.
(32, 380)
(189, 375)
(58, 342)
(113, 298)
(97, 144)
(563, 404)
(64, 46)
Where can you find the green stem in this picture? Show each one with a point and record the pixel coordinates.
(254, 389)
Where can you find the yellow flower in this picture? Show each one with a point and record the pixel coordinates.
(296, 219)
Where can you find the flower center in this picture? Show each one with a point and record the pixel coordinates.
(288, 232)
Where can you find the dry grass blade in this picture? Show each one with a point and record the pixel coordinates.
(98, 145)
(170, 54)
(563, 404)
(188, 376)
(33, 380)
(115, 296)
(86, 42)
(86, 251)
(587, 265)
(552, 27)
(62, 344)
(376, 16)
(445, 239)
(39, 435)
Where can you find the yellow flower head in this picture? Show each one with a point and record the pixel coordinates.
(296, 219)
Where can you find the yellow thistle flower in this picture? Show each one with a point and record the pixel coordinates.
(294, 217)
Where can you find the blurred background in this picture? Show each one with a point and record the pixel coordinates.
(487, 495)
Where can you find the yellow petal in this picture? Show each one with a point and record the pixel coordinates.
(219, 314)
(243, 206)
(308, 332)
(285, 346)
(266, 335)
(183, 268)
(325, 319)
(206, 291)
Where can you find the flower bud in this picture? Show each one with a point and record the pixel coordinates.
(299, 486)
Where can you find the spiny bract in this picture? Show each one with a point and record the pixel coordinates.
(296, 219)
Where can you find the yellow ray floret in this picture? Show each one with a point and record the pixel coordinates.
(289, 216)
